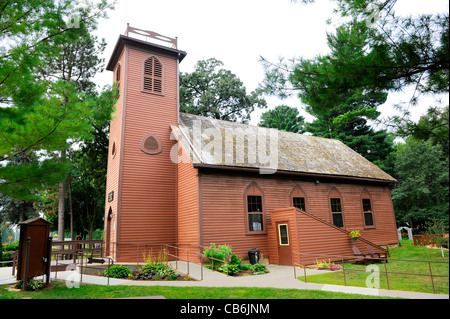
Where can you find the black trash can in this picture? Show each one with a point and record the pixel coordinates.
(253, 255)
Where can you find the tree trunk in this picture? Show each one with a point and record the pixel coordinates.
(21, 213)
(61, 205)
(69, 180)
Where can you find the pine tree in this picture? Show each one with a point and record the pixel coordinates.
(372, 50)
(38, 114)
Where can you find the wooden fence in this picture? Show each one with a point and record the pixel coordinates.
(426, 240)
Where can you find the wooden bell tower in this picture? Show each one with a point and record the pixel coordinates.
(140, 210)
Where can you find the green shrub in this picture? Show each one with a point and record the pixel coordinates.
(144, 275)
(6, 257)
(153, 266)
(259, 269)
(31, 284)
(118, 271)
(245, 266)
(6, 251)
(156, 270)
(217, 255)
(234, 260)
(231, 268)
(167, 272)
(12, 247)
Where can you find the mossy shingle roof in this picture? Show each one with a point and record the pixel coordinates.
(221, 143)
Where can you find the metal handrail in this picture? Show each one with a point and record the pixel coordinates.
(116, 248)
(212, 258)
(161, 247)
(188, 259)
(220, 260)
(384, 260)
(110, 262)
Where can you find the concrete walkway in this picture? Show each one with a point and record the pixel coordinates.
(278, 277)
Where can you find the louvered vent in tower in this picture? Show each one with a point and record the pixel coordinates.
(153, 76)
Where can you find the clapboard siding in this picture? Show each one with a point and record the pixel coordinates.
(147, 211)
(148, 203)
(313, 238)
(188, 225)
(282, 215)
(222, 214)
(223, 210)
(113, 169)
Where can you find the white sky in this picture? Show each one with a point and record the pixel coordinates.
(238, 32)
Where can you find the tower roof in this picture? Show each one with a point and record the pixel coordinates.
(141, 44)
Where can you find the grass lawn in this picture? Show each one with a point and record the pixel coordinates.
(397, 281)
(60, 291)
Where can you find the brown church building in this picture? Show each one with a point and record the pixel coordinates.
(189, 181)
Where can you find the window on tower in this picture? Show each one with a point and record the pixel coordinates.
(153, 74)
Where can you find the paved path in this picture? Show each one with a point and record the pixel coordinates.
(278, 277)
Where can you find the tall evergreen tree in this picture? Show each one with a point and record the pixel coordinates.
(38, 115)
(378, 51)
(76, 64)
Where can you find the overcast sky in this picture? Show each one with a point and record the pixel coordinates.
(238, 32)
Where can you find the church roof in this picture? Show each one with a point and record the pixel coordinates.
(215, 143)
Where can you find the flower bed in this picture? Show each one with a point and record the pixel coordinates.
(323, 265)
(153, 269)
(234, 267)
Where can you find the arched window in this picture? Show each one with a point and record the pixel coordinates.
(336, 208)
(254, 206)
(153, 76)
(298, 198)
(366, 204)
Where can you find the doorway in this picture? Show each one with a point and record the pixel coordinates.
(284, 245)
(107, 234)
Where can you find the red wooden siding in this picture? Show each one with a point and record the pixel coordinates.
(115, 142)
(313, 237)
(147, 190)
(282, 215)
(188, 224)
(223, 212)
